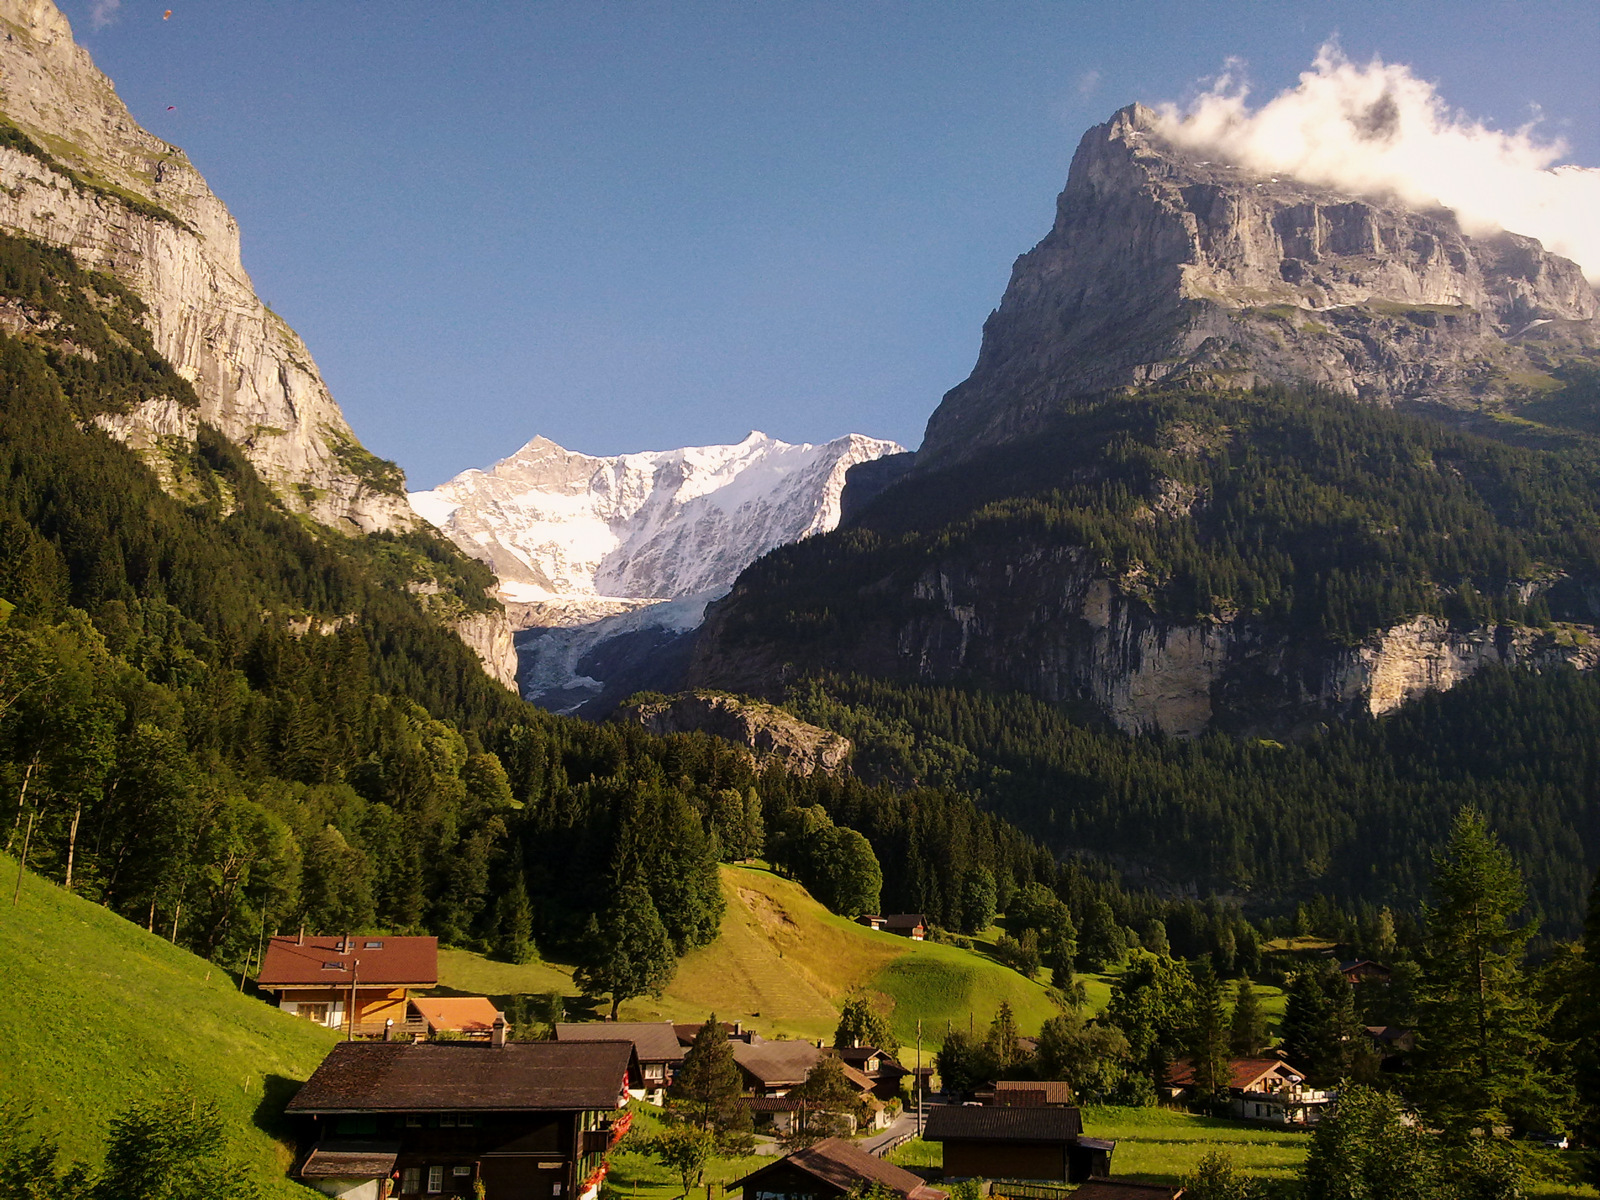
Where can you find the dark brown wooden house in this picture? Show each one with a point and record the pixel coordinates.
(879, 1066)
(830, 1169)
(531, 1120)
(655, 1042)
(1043, 1143)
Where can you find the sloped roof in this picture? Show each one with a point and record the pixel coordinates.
(835, 1161)
(1020, 1093)
(905, 920)
(1243, 1073)
(1121, 1189)
(962, 1123)
(475, 1076)
(350, 1160)
(655, 1041)
(778, 1063)
(327, 961)
(464, 1014)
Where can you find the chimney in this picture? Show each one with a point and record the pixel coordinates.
(497, 1037)
(301, 940)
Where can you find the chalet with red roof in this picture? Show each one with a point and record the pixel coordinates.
(1261, 1089)
(349, 982)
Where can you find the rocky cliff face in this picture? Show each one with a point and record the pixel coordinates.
(1042, 618)
(1164, 267)
(770, 734)
(125, 202)
(606, 564)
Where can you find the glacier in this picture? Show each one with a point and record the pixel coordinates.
(606, 564)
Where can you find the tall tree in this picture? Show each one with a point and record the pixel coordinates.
(860, 1024)
(706, 1089)
(1152, 1002)
(978, 900)
(829, 1100)
(632, 954)
(1479, 1040)
(1004, 1041)
(1101, 942)
(1089, 1056)
(1247, 1032)
(1368, 1151)
(1208, 1035)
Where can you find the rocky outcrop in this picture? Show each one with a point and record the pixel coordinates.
(1042, 619)
(1163, 267)
(769, 733)
(489, 636)
(127, 203)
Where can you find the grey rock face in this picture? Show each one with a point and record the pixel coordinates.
(1165, 267)
(141, 212)
(770, 734)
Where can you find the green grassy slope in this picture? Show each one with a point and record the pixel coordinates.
(95, 1013)
(783, 964)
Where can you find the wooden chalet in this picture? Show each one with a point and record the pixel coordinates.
(352, 983)
(527, 1120)
(772, 1068)
(882, 1070)
(1260, 1089)
(656, 1043)
(909, 925)
(831, 1169)
(1035, 1143)
(1017, 1093)
(1364, 970)
(468, 1016)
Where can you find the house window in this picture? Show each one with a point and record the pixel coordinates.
(410, 1181)
(447, 1121)
(372, 945)
(333, 966)
(413, 1121)
(435, 1180)
(461, 1172)
(313, 1012)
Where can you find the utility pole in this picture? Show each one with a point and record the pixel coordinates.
(355, 966)
(919, 1076)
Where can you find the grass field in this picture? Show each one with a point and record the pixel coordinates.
(98, 1013)
(783, 964)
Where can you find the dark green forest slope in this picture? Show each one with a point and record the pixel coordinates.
(216, 717)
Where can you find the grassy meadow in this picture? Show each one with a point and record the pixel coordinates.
(98, 1013)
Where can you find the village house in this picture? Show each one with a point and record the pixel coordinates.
(831, 1169)
(353, 983)
(1013, 1142)
(1016, 1093)
(655, 1042)
(882, 1071)
(466, 1016)
(911, 925)
(1364, 970)
(772, 1069)
(1260, 1089)
(526, 1120)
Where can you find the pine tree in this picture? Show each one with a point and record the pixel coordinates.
(978, 900)
(632, 952)
(513, 923)
(1247, 1035)
(1479, 1041)
(1208, 1035)
(706, 1088)
(1307, 1026)
(1004, 1042)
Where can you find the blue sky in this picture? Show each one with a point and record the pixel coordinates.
(632, 226)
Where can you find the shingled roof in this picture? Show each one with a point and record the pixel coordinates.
(327, 961)
(1019, 1093)
(777, 1064)
(350, 1160)
(836, 1162)
(952, 1123)
(475, 1076)
(656, 1041)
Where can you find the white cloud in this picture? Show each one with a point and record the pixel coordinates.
(103, 13)
(1378, 129)
(1089, 82)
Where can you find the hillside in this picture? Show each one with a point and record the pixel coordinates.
(782, 964)
(100, 1013)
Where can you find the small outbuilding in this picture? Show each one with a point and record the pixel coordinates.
(831, 1169)
(1042, 1143)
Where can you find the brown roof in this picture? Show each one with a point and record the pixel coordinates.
(350, 1160)
(776, 1064)
(1020, 1093)
(326, 961)
(449, 1076)
(905, 921)
(655, 1041)
(687, 1033)
(948, 1122)
(1243, 1073)
(837, 1162)
(1120, 1189)
(461, 1014)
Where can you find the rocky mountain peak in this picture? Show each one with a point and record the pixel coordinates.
(1164, 266)
(78, 172)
